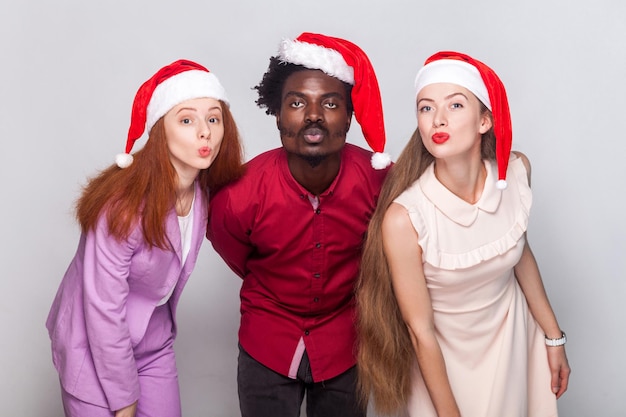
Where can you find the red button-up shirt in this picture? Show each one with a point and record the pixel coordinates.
(298, 263)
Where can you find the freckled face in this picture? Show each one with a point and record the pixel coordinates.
(194, 130)
(449, 120)
(313, 119)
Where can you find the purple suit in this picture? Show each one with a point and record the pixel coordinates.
(105, 301)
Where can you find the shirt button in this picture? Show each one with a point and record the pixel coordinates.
(316, 275)
(316, 299)
(318, 245)
(306, 332)
(318, 211)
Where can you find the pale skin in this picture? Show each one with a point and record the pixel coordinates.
(454, 110)
(128, 411)
(194, 131)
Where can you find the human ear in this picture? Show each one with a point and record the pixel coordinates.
(485, 123)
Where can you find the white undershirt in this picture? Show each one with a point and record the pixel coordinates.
(185, 222)
(185, 225)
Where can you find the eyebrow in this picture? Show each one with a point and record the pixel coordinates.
(332, 94)
(448, 97)
(195, 110)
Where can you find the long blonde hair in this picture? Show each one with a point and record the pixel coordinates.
(385, 354)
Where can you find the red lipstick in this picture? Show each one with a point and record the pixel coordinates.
(440, 138)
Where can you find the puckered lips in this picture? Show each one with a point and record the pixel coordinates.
(440, 137)
(204, 151)
(313, 135)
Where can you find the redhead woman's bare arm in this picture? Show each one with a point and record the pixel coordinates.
(128, 411)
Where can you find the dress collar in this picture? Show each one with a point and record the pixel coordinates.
(455, 208)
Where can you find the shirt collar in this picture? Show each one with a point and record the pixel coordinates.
(294, 185)
(455, 208)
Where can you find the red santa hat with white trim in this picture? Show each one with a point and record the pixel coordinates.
(484, 83)
(344, 60)
(173, 84)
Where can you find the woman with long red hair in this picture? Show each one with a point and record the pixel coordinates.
(113, 321)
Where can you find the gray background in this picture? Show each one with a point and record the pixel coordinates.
(69, 72)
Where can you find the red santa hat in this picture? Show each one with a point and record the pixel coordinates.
(483, 82)
(344, 60)
(179, 81)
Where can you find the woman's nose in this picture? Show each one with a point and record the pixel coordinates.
(439, 120)
(205, 131)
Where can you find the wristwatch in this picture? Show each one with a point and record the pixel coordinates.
(557, 342)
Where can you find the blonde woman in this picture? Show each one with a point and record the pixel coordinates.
(453, 316)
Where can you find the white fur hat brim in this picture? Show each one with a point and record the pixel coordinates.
(187, 85)
(453, 71)
(316, 57)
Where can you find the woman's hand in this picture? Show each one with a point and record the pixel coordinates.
(559, 368)
(128, 411)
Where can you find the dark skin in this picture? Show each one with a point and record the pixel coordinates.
(313, 121)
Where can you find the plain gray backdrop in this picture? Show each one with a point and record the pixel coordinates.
(69, 72)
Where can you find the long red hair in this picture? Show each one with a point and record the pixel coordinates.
(146, 191)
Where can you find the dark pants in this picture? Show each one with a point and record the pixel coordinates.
(265, 393)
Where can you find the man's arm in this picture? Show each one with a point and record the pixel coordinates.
(227, 231)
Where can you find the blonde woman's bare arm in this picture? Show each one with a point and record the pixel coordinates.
(529, 278)
(404, 256)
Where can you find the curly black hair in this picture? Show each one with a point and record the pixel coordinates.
(271, 86)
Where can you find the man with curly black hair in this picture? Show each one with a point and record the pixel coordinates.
(292, 228)
(271, 86)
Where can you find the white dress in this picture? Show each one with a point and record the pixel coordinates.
(494, 350)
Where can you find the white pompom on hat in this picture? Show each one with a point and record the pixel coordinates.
(347, 62)
(173, 84)
(484, 83)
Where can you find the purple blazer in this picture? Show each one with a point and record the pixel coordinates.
(104, 303)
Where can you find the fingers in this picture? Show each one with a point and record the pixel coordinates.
(556, 382)
(564, 381)
(560, 380)
(559, 370)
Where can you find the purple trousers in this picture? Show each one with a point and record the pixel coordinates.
(158, 377)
